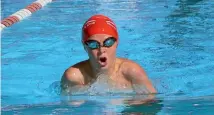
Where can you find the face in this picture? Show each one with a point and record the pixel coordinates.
(101, 49)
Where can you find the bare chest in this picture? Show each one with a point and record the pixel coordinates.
(104, 83)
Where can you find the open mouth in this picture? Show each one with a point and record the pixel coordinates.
(103, 61)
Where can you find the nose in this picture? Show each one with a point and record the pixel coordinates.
(102, 50)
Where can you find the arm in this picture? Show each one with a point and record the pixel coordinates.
(140, 82)
(70, 81)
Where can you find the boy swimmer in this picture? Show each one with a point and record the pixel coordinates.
(100, 40)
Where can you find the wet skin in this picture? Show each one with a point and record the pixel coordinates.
(124, 74)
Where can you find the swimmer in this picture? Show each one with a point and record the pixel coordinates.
(100, 40)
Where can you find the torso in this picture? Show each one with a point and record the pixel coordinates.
(116, 82)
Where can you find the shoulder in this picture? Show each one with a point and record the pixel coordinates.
(73, 74)
(130, 67)
(136, 75)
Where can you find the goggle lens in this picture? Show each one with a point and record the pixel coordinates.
(93, 44)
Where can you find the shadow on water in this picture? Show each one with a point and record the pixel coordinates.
(179, 23)
(184, 8)
(150, 108)
(186, 30)
(186, 58)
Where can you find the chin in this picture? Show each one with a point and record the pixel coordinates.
(105, 68)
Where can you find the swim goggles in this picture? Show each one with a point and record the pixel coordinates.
(93, 44)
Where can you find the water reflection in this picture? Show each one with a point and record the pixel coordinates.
(187, 54)
(126, 104)
(173, 104)
(146, 108)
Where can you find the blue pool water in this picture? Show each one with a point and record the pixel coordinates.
(173, 40)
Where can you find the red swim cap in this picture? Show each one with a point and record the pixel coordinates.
(99, 24)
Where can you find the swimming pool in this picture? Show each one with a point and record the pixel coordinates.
(172, 40)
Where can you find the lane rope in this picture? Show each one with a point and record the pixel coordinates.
(23, 13)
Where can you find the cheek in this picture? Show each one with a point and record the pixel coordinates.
(93, 53)
(112, 52)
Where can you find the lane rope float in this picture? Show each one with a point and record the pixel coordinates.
(23, 13)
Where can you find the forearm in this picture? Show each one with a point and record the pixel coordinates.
(142, 88)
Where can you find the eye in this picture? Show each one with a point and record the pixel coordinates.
(109, 42)
(92, 44)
